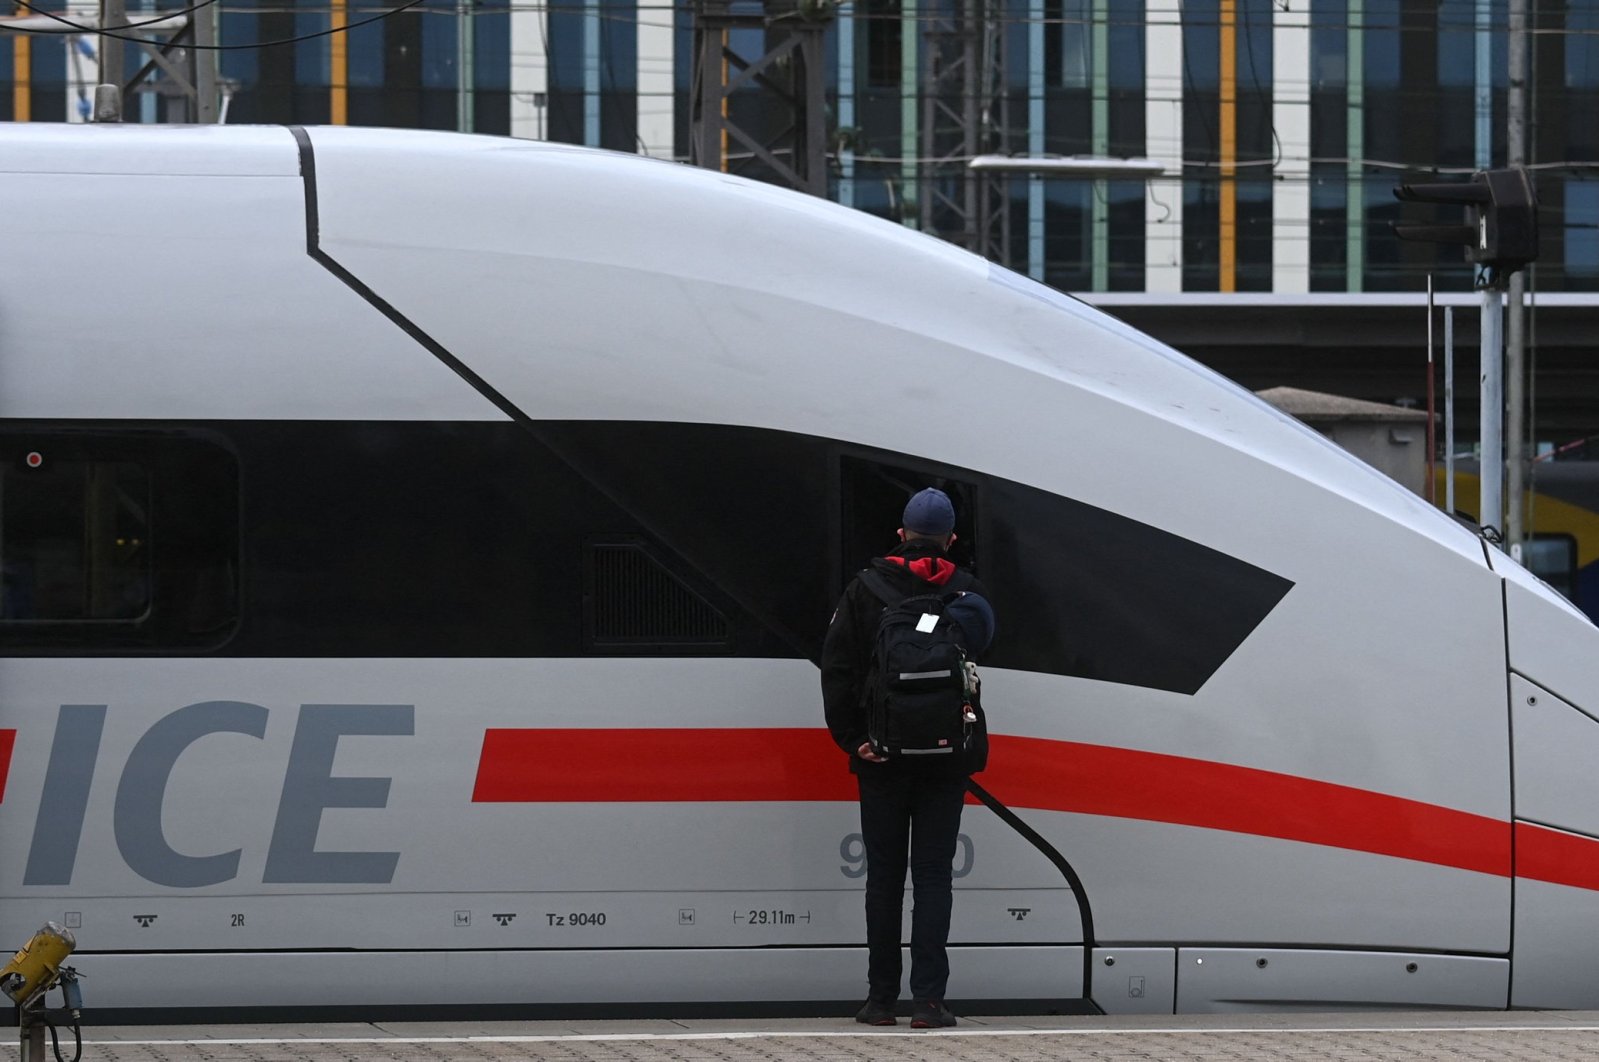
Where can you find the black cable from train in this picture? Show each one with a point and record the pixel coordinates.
(55, 1041)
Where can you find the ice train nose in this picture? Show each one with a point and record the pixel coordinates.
(1552, 662)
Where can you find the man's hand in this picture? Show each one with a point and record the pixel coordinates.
(865, 752)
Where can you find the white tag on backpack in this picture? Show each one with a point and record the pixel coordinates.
(926, 624)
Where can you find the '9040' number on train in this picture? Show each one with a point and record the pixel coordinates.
(852, 849)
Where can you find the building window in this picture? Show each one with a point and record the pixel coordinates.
(1582, 48)
(880, 21)
(1582, 229)
(1066, 44)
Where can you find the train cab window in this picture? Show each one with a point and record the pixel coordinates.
(74, 540)
(113, 541)
(874, 496)
(1553, 558)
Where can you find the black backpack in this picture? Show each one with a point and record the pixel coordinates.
(917, 702)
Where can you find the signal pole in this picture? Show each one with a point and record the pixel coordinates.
(1490, 420)
(1501, 236)
(1516, 330)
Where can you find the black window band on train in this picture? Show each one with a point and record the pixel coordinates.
(603, 538)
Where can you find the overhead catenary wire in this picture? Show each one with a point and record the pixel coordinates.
(445, 7)
(95, 31)
(72, 28)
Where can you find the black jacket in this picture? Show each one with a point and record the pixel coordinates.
(916, 567)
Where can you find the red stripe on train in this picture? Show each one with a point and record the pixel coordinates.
(1151, 786)
(709, 765)
(1555, 856)
(8, 738)
(792, 764)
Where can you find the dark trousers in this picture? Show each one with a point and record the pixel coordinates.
(911, 817)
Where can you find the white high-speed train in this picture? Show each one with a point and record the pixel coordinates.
(417, 549)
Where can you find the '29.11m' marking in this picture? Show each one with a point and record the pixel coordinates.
(753, 916)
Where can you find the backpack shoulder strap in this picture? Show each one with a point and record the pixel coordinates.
(880, 587)
(961, 580)
(885, 591)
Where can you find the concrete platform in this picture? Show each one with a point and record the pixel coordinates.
(1494, 1036)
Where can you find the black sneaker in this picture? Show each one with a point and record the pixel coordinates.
(877, 1012)
(930, 1014)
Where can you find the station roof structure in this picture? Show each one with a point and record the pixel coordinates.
(1318, 407)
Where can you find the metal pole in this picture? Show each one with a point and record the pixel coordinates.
(31, 1035)
(1449, 410)
(846, 101)
(1355, 139)
(113, 14)
(1035, 137)
(465, 76)
(1482, 95)
(813, 154)
(1490, 510)
(207, 100)
(1515, 325)
(910, 133)
(1515, 415)
(975, 186)
(591, 75)
(1431, 493)
(1099, 139)
(709, 119)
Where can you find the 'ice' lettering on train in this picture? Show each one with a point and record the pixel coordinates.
(309, 787)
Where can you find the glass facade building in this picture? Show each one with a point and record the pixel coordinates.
(1283, 124)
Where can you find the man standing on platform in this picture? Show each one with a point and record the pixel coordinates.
(910, 805)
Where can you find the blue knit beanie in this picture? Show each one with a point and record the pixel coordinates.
(930, 512)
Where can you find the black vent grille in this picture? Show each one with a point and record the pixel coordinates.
(636, 603)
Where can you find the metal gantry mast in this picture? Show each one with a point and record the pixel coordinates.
(180, 64)
(963, 115)
(785, 139)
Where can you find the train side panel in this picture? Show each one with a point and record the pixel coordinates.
(1222, 697)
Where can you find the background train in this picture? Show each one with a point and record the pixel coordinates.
(413, 586)
(1563, 514)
